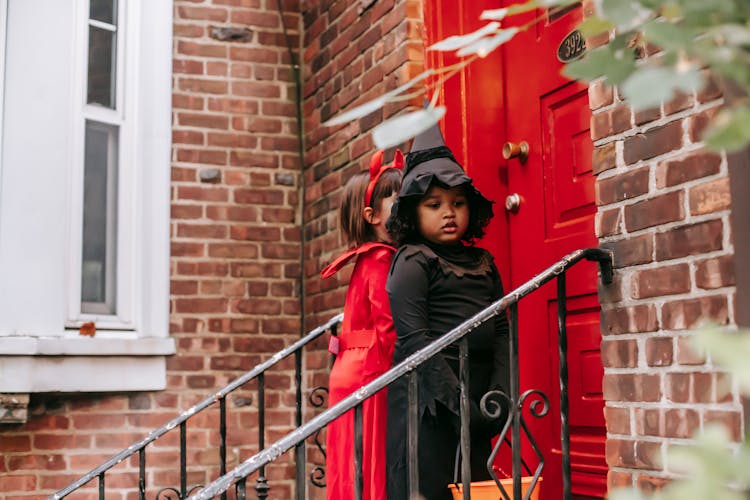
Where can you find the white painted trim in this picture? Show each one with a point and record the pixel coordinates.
(78, 126)
(3, 37)
(154, 183)
(101, 345)
(44, 373)
(103, 25)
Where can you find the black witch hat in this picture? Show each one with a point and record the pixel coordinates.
(431, 162)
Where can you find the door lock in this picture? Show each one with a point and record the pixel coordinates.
(513, 202)
(513, 150)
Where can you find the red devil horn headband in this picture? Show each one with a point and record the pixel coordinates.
(377, 168)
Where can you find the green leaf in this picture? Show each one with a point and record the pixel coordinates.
(730, 349)
(667, 35)
(731, 34)
(402, 128)
(625, 494)
(626, 14)
(594, 25)
(671, 11)
(611, 61)
(590, 67)
(707, 13)
(649, 86)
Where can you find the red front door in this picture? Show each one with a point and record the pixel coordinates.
(521, 96)
(555, 216)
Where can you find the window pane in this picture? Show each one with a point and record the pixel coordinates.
(103, 10)
(101, 73)
(98, 267)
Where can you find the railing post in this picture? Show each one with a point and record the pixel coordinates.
(412, 466)
(514, 398)
(300, 449)
(261, 484)
(223, 439)
(142, 474)
(465, 417)
(562, 343)
(358, 486)
(241, 489)
(101, 486)
(183, 459)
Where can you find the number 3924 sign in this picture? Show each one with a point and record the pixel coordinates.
(572, 47)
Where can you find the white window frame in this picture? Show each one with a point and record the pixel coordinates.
(123, 116)
(4, 34)
(44, 352)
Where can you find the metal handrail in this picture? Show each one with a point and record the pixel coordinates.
(180, 420)
(272, 452)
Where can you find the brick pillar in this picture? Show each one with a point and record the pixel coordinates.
(235, 218)
(663, 208)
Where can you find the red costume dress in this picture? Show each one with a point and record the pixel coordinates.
(365, 349)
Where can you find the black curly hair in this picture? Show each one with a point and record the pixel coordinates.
(403, 228)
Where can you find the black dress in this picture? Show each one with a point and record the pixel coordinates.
(433, 289)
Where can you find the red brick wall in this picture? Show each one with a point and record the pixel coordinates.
(351, 55)
(235, 270)
(664, 211)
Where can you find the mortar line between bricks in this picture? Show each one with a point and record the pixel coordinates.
(664, 120)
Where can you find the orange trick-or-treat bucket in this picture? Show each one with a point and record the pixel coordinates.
(488, 490)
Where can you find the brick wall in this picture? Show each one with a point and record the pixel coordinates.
(664, 211)
(353, 52)
(235, 269)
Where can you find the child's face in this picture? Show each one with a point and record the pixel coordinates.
(443, 215)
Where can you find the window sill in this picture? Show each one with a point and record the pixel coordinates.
(60, 364)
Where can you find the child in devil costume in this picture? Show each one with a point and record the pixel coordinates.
(364, 348)
(438, 280)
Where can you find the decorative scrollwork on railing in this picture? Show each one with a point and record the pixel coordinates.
(318, 396)
(539, 406)
(494, 402)
(170, 491)
(318, 473)
(541, 399)
(167, 492)
(318, 476)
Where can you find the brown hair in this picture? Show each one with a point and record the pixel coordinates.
(354, 227)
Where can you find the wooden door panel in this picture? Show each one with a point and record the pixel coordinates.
(567, 148)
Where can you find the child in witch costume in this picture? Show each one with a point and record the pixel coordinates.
(438, 279)
(364, 348)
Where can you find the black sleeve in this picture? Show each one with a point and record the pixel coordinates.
(408, 291)
(501, 349)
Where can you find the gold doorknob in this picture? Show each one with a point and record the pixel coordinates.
(513, 150)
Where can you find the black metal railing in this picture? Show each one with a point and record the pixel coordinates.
(220, 396)
(490, 405)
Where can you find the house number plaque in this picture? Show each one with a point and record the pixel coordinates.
(572, 47)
